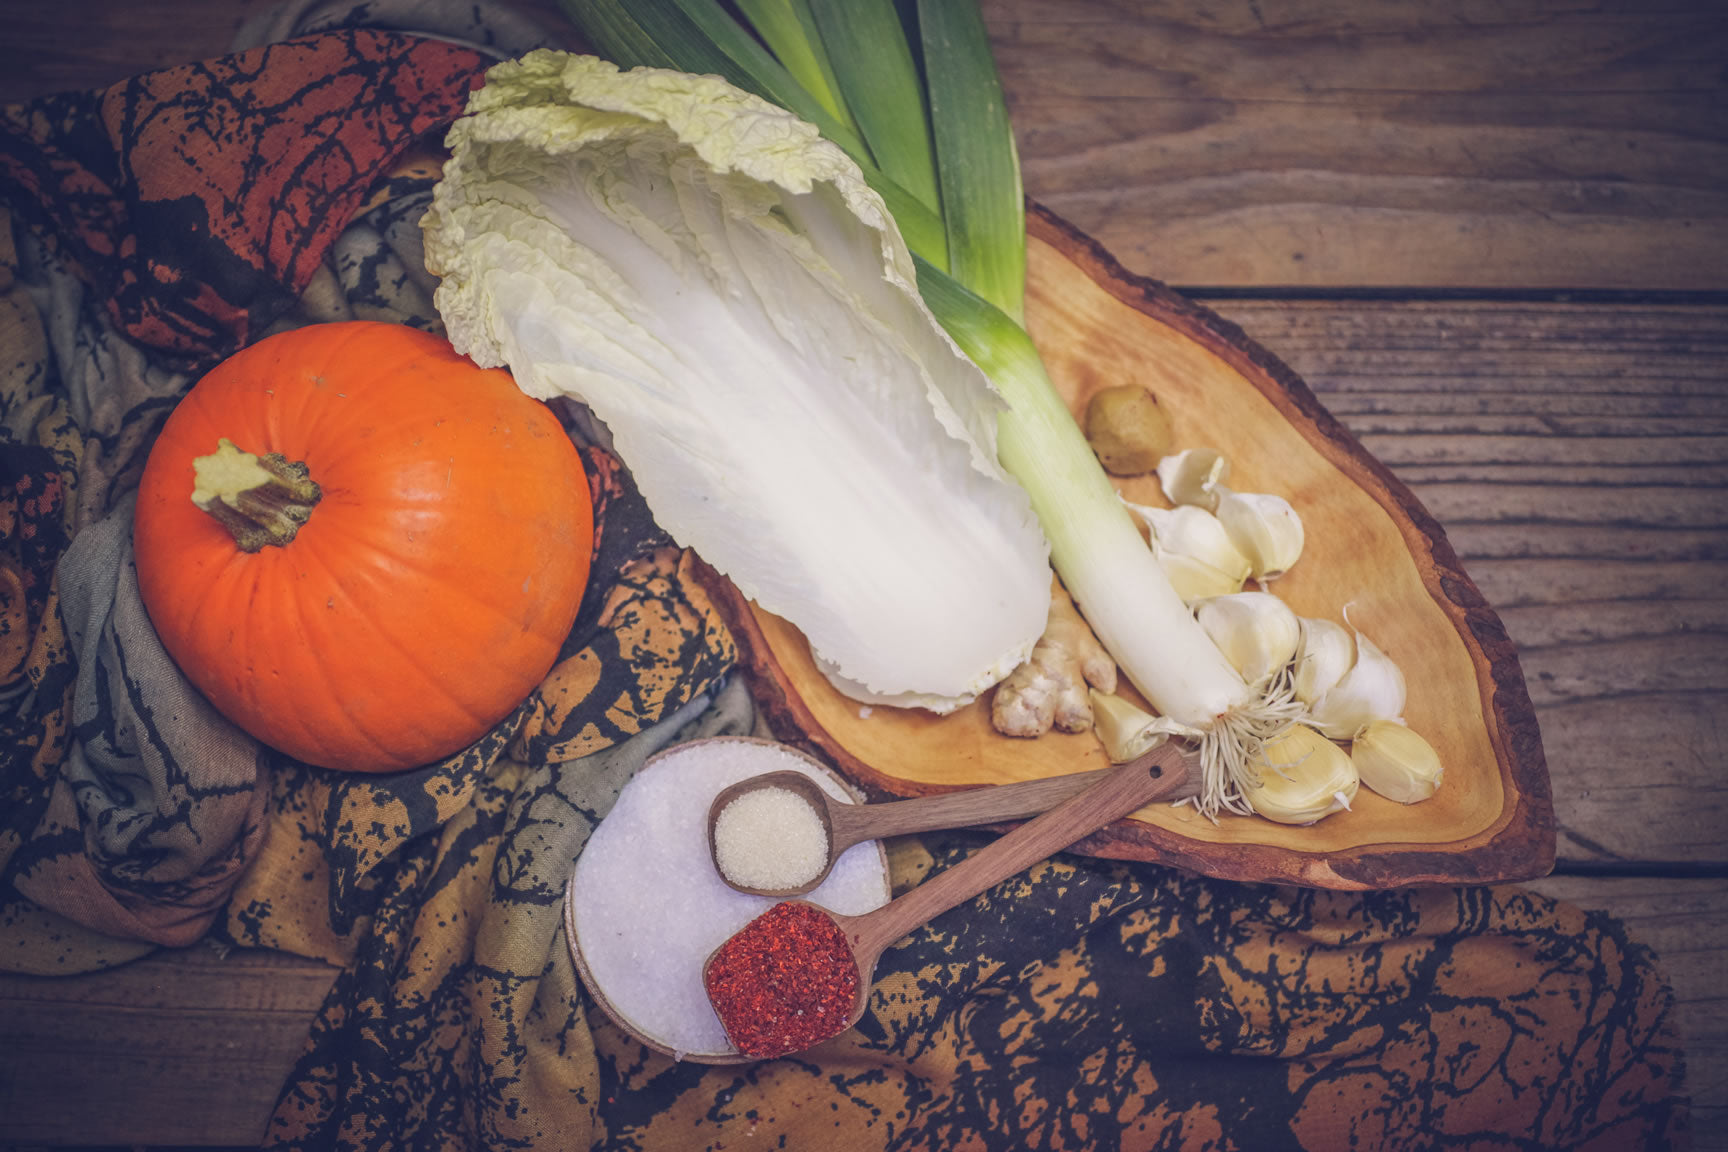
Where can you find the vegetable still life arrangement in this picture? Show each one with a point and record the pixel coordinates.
(363, 549)
(755, 340)
(808, 331)
(805, 325)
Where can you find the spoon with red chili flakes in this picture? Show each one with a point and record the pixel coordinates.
(798, 974)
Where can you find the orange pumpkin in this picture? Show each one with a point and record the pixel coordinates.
(385, 556)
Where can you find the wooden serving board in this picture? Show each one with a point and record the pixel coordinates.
(1371, 547)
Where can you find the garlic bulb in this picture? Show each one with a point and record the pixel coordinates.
(1191, 477)
(1256, 631)
(1303, 778)
(1264, 528)
(1194, 551)
(1396, 762)
(1323, 655)
(1372, 690)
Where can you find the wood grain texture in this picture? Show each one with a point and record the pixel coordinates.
(182, 1046)
(1509, 143)
(1481, 143)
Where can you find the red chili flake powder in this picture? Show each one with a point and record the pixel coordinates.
(785, 981)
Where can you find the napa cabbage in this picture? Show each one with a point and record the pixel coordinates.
(720, 286)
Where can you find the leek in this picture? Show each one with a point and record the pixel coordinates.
(971, 270)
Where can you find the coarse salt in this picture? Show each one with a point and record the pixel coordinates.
(770, 838)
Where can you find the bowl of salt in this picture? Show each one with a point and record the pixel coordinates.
(645, 905)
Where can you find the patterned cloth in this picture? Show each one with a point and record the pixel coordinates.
(152, 228)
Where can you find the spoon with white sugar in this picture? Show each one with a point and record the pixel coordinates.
(798, 974)
(778, 834)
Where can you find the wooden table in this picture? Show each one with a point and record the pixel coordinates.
(1493, 237)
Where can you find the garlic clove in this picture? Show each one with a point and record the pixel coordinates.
(1196, 580)
(1396, 762)
(1324, 653)
(1194, 551)
(1191, 477)
(1303, 777)
(1127, 730)
(1264, 528)
(1256, 631)
(1372, 690)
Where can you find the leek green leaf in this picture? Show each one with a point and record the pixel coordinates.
(789, 29)
(880, 81)
(978, 166)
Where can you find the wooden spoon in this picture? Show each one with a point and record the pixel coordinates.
(800, 959)
(845, 824)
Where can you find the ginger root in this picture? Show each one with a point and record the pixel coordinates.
(1049, 689)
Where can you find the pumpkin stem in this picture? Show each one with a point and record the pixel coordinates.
(261, 500)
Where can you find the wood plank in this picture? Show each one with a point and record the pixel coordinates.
(1494, 143)
(183, 1046)
(78, 44)
(1321, 142)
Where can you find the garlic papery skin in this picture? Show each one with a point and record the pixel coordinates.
(1303, 777)
(1194, 551)
(1192, 477)
(1323, 655)
(1396, 762)
(1372, 690)
(1127, 730)
(1256, 631)
(1264, 528)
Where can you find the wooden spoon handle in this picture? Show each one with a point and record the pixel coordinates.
(964, 809)
(1122, 790)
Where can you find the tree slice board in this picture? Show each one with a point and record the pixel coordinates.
(1372, 550)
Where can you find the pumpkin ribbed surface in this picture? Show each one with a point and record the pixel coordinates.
(430, 587)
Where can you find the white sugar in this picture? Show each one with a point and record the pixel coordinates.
(648, 906)
(770, 838)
